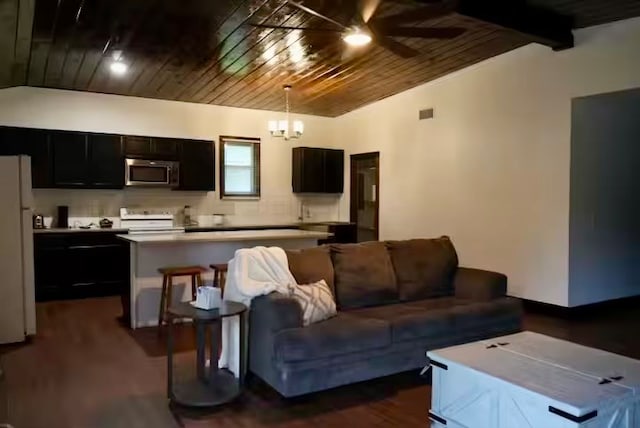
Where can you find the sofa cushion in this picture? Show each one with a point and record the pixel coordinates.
(411, 322)
(423, 267)
(363, 275)
(311, 265)
(339, 335)
(478, 315)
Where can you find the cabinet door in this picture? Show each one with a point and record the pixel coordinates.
(197, 165)
(164, 148)
(334, 171)
(137, 147)
(70, 159)
(30, 142)
(308, 170)
(106, 161)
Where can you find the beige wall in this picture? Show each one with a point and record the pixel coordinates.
(492, 169)
(55, 109)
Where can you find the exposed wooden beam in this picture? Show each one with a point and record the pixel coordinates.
(536, 23)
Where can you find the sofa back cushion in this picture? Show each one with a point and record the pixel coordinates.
(363, 275)
(424, 268)
(311, 265)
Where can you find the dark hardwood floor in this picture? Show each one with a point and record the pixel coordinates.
(85, 370)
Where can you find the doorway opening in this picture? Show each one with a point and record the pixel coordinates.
(365, 195)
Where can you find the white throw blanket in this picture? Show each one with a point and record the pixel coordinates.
(252, 272)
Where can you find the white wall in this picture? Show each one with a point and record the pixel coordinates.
(56, 109)
(492, 169)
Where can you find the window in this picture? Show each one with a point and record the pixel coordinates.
(239, 167)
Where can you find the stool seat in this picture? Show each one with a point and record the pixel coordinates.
(222, 267)
(168, 273)
(182, 270)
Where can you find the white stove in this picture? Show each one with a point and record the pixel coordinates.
(147, 222)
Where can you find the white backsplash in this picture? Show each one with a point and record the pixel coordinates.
(87, 206)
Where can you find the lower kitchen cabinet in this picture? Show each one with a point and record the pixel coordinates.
(80, 264)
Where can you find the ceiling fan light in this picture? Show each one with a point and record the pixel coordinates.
(357, 38)
(118, 68)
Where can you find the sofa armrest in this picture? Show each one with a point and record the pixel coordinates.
(275, 312)
(269, 314)
(479, 285)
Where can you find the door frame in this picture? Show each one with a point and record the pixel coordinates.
(353, 203)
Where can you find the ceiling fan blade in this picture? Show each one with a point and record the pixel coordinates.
(367, 9)
(424, 33)
(315, 13)
(415, 15)
(396, 47)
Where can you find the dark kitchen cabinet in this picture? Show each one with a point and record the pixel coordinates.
(165, 148)
(137, 146)
(84, 160)
(154, 148)
(106, 161)
(317, 170)
(33, 143)
(80, 264)
(70, 159)
(334, 171)
(197, 165)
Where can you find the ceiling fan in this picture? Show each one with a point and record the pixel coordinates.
(365, 27)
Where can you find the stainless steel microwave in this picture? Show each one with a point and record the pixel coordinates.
(151, 173)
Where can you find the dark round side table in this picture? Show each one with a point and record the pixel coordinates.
(212, 386)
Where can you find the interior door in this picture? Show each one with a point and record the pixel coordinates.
(365, 195)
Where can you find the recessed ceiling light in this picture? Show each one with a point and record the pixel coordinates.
(356, 38)
(118, 67)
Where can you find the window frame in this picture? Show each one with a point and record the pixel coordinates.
(255, 142)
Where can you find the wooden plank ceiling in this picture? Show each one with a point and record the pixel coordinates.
(206, 51)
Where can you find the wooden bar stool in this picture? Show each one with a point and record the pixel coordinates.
(168, 273)
(220, 275)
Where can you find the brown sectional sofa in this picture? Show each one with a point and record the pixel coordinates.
(395, 299)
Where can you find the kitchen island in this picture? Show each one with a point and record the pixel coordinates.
(148, 252)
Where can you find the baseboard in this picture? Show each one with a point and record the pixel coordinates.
(584, 311)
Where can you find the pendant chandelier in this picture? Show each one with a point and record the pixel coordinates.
(280, 128)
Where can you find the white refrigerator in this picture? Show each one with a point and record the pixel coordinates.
(17, 293)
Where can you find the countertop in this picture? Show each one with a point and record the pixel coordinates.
(205, 228)
(225, 236)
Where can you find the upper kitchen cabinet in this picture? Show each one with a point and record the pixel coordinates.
(197, 165)
(31, 142)
(106, 161)
(87, 160)
(70, 159)
(317, 170)
(151, 147)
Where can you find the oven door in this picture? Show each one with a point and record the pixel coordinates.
(151, 173)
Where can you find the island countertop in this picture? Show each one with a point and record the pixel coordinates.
(224, 236)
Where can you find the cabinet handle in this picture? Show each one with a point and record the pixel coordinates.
(88, 247)
(82, 284)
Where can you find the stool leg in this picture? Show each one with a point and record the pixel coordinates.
(169, 298)
(194, 280)
(162, 300)
(223, 282)
(215, 278)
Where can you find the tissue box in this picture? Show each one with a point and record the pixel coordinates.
(208, 297)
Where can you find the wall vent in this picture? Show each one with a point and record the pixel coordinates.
(425, 114)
